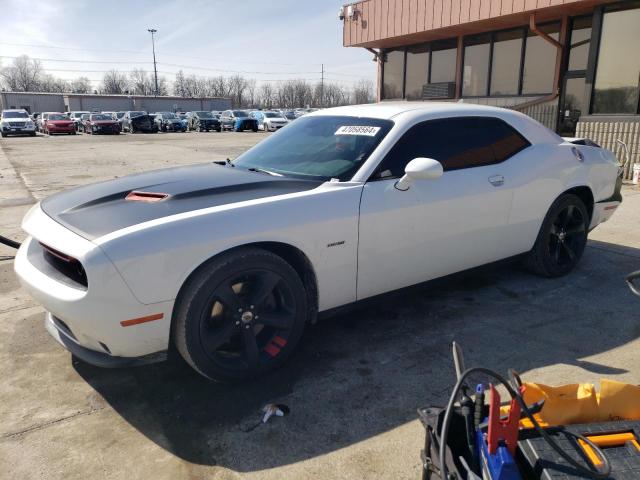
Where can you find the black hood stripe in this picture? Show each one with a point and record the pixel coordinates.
(99, 209)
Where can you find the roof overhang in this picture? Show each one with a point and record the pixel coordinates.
(393, 23)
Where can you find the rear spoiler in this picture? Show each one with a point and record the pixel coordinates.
(581, 141)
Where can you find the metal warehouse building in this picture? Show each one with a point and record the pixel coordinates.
(574, 65)
(58, 102)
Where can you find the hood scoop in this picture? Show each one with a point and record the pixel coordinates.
(138, 196)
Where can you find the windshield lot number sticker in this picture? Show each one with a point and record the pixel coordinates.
(357, 130)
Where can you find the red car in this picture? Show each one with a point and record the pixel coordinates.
(101, 123)
(58, 123)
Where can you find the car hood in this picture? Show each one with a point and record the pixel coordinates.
(98, 209)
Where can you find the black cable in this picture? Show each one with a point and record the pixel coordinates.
(597, 474)
(9, 242)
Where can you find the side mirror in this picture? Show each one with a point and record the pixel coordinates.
(419, 169)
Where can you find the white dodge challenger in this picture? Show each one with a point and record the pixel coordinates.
(229, 260)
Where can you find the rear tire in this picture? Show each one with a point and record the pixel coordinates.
(240, 315)
(562, 238)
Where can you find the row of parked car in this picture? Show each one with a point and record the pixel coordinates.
(19, 121)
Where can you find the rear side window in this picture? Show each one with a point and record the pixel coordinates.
(457, 143)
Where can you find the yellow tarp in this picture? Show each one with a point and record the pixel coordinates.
(581, 403)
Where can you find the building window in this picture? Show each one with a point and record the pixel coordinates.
(476, 66)
(505, 68)
(540, 61)
(443, 61)
(616, 87)
(580, 41)
(417, 71)
(393, 74)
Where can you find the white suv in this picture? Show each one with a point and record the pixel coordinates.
(14, 122)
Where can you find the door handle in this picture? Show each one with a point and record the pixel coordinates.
(496, 180)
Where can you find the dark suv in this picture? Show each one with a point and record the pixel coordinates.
(203, 121)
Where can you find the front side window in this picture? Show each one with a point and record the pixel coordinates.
(617, 77)
(505, 68)
(393, 74)
(417, 71)
(476, 66)
(317, 147)
(456, 143)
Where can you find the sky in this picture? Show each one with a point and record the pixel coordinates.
(269, 40)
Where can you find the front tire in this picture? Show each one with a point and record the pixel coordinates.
(240, 315)
(562, 238)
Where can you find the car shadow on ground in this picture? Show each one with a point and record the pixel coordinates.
(363, 373)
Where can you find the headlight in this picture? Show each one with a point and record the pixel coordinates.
(29, 125)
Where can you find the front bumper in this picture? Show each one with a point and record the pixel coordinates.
(241, 125)
(92, 314)
(602, 211)
(93, 357)
(105, 129)
(9, 129)
(54, 129)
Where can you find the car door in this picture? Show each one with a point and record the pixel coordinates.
(440, 226)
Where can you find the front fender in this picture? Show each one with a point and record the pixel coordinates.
(156, 258)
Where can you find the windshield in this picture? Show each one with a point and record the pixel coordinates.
(240, 113)
(204, 114)
(321, 147)
(136, 114)
(119, 115)
(272, 115)
(15, 115)
(290, 115)
(101, 116)
(58, 116)
(168, 115)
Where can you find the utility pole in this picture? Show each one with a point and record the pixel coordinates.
(322, 87)
(152, 31)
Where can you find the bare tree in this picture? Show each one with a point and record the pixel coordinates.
(266, 95)
(114, 82)
(163, 86)
(140, 82)
(179, 85)
(252, 99)
(363, 92)
(237, 86)
(80, 85)
(24, 75)
(49, 83)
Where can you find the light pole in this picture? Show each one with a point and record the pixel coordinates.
(152, 31)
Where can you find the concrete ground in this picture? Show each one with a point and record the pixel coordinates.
(352, 388)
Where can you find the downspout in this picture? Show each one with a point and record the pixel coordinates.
(559, 45)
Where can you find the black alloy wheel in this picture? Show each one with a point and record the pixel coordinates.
(567, 236)
(241, 315)
(562, 238)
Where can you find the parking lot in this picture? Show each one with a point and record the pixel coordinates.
(354, 384)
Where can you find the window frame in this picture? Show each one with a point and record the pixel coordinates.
(374, 175)
(405, 49)
(594, 55)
